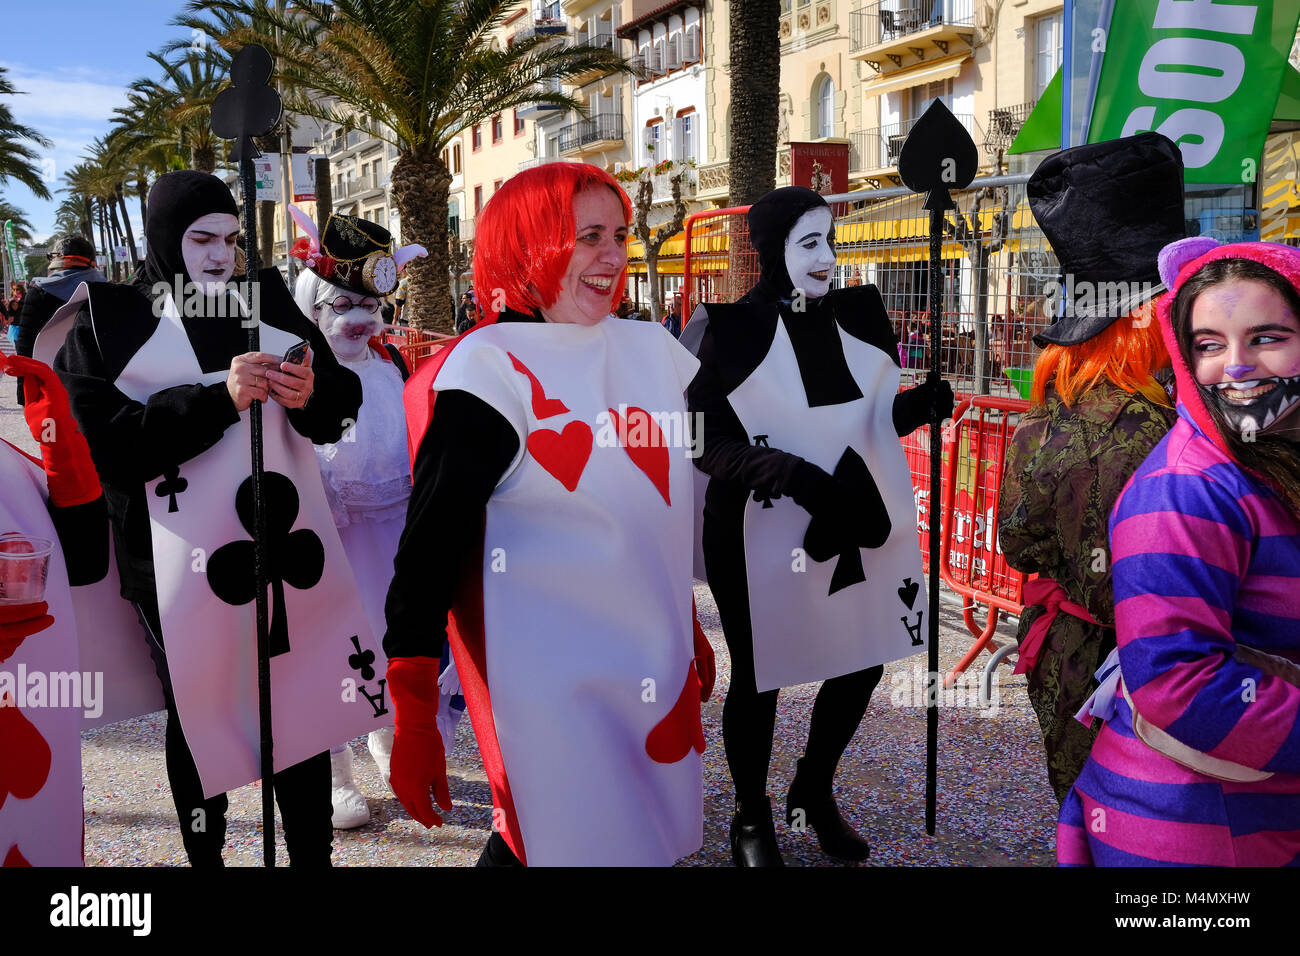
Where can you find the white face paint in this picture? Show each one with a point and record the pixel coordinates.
(348, 334)
(208, 250)
(809, 258)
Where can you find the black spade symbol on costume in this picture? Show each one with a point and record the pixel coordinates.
(171, 486)
(296, 558)
(828, 537)
(248, 107)
(938, 155)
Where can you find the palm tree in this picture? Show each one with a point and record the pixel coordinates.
(22, 227)
(81, 189)
(178, 108)
(416, 75)
(68, 219)
(755, 94)
(112, 183)
(18, 160)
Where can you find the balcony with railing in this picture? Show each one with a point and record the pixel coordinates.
(343, 142)
(539, 161)
(875, 151)
(1004, 125)
(601, 40)
(603, 131)
(542, 27)
(895, 28)
(541, 110)
(354, 186)
(661, 188)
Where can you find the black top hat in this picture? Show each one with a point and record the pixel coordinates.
(353, 254)
(1107, 209)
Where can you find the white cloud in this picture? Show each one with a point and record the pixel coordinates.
(52, 98)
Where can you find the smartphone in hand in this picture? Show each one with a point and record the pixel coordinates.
(297, 353)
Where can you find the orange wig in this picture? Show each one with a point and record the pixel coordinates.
(1127, 354)
(525, 237)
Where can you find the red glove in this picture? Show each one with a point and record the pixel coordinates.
(69, 473)
(18, 622)
(418, 762)
(704, 664)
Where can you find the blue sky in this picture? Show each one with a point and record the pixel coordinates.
(74, 59)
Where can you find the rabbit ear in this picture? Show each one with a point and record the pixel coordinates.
(1177, 254)
(306, 225)
(405, 254)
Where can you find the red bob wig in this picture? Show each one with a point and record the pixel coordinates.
(525, 236)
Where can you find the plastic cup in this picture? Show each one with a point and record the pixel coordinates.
(24, 563)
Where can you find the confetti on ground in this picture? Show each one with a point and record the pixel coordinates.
(995, 806)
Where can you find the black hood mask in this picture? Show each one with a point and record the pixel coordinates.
(176, 200)
(770, 221)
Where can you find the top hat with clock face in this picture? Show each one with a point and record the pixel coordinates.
(352, 253)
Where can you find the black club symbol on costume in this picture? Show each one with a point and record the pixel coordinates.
(293, 557)
(362, 660)
(171, 486)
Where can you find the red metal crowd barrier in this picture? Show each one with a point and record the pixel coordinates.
(414, 346)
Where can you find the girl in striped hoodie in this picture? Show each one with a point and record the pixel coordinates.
(1199, 760)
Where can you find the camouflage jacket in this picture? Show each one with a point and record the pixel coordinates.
(1065, 469)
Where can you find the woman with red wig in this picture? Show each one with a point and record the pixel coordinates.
(1097, 413)
(549, 537)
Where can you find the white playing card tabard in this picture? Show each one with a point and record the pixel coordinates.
(802, 632)
(322, 688)
(43, 828)
(586, 595)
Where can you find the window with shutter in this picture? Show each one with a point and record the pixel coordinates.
(691, 45)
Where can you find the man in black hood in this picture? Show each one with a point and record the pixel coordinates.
(192, 230)
(72, 262)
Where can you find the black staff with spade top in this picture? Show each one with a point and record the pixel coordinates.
(162, 382)
(938, 155)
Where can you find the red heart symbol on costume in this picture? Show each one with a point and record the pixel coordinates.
(644, 443)
(543, 407)
(15, 857)
(24, 754)
(680, 730)
(564, 454)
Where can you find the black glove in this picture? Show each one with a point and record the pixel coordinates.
(847, 509)
(915, 407)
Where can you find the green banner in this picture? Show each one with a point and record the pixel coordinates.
(16, 264)
(1205, 73)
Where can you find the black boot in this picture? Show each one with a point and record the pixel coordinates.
(753, 837)
(836, 837)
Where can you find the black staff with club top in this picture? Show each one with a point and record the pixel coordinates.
(939, 155)
(248, 108)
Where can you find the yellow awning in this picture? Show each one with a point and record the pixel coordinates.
(665, 267)
(933, 72)
(675, 246)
